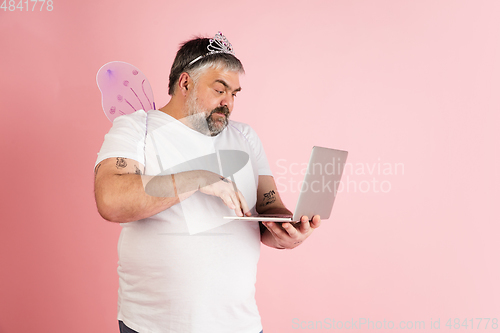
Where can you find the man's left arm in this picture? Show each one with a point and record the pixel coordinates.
(280, 235)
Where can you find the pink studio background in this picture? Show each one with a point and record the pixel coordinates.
(409, 88)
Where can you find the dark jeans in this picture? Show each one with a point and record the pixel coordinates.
(125, 329)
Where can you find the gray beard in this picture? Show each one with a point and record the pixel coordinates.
(206, 124)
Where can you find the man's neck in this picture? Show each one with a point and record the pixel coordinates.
(174, 108)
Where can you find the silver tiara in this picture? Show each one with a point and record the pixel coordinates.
(218, 44)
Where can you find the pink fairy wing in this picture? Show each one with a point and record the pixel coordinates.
(124, 89)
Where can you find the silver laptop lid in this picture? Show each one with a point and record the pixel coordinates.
(321, 182)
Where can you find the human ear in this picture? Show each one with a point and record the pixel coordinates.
(184, 83)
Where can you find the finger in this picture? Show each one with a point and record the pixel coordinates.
(276, 230)
(305, 226)
(235, 197)
(236, 202)
(228, 201)
(280, 235)
(316, 221)
(291, 231)
(243, 203)
(270, 226)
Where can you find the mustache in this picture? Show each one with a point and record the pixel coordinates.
(220, 109)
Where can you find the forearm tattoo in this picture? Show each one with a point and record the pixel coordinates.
(269, 198)
(225, 180)
(121, 163)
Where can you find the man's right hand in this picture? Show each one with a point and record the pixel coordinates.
(216, 185)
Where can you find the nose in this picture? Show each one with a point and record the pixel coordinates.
(228, 102)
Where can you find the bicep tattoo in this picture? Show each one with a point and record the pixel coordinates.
(121, 163)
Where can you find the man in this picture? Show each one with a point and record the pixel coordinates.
(164, 176)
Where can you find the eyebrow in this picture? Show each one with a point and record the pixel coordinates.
(227, 86)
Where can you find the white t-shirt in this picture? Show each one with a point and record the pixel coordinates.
(186, 269)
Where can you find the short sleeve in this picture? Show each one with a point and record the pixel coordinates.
(260, 154)
(126, 138)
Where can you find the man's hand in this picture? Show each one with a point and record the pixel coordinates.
(289, 235)
(280, 235)
(219, 186)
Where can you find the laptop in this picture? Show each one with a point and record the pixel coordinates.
(318, 190)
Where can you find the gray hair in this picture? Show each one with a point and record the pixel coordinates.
(193, 49)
